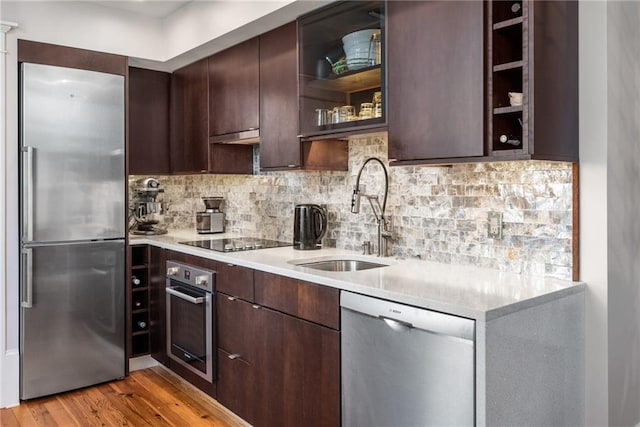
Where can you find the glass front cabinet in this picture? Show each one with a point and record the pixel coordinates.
(342, 69)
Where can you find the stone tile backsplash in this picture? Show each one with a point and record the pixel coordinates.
(438, 213)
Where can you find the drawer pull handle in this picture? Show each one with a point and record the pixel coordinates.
(256, 306)
(233, 356)
(232, 298)
(230, 265)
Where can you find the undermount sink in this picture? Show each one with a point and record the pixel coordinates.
(340, 265)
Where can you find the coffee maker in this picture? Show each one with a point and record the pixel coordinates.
(145, 206)
(211, 220)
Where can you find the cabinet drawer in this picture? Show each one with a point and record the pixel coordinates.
(236, 325)
(235, 385)
(235, 281)
(305, 300)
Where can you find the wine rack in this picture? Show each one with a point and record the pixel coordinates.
(138, 301)
(508, 62)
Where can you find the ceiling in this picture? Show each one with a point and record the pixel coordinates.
(151, 8)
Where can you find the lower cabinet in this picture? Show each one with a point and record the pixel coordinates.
(157, 305)
(297, 372)
(274, 368)
(278, 343)
(237, 324)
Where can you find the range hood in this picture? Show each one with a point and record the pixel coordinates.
(251, 136)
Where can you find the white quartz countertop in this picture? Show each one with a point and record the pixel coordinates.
(477, 293)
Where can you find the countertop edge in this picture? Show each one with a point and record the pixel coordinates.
(430, 304)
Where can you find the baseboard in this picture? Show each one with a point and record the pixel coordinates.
(10, 391)
(142, 362)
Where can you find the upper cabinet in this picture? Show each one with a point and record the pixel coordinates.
(234, 76)
(189, 119)
(148, 121)
(533, 80)
(435, 58)
(472, 81)
(342, 69)
(279, 142)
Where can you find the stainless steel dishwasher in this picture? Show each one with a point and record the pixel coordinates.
(404, 366)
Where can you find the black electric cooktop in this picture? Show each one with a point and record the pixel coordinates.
(236, 244)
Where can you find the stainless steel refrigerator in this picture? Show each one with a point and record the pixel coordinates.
(72, 272)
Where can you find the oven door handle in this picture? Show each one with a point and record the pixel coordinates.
(193, 300)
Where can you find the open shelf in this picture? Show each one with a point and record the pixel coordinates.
(508, 23)
(507, 110)
(508, 66)
(138, 338)
(351, 81)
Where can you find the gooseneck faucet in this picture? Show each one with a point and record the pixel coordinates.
(378, 210)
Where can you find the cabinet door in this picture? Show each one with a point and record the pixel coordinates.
(435, 79)
(148, 121)
(234, 89)
(157, 304)
(298, 372)
(554, 74)
(279, 142)
(236, 355)
(189, 119)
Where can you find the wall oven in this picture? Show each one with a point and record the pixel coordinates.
(190, 331)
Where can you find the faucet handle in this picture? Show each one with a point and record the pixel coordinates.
(366, 247)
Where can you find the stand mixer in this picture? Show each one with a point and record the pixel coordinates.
(145, 206)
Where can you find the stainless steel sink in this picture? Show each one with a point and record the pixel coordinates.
(341, 265)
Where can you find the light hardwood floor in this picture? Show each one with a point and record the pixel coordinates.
(150, 397)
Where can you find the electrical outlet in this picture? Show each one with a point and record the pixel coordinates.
(494, 225)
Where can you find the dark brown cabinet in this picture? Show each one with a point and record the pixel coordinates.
(237, 372)
(237, 333)
(157, 304)
(342, 69)
(445, 106)
(435, 57)
(189, 119)
(533, 47)
(274, 367)
(279, 141)
(234, 89)
(298, 353)
(137, 301)
(148, 121)
(299, 372)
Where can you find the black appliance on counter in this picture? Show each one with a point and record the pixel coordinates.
(236, 244)
(309, 226)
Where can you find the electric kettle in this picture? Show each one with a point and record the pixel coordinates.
(309, 226)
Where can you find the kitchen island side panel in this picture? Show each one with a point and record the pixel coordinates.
(531, 369)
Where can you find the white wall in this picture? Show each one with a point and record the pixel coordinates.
(87, 26)
(593, 209)
(8, 355)
(623, 182)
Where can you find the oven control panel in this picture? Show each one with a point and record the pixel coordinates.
(190, 275)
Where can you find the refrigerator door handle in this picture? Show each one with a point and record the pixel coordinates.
(27, 195)
(27, 265)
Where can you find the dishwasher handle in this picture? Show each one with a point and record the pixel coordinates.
(396, 325)
(402, 317)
